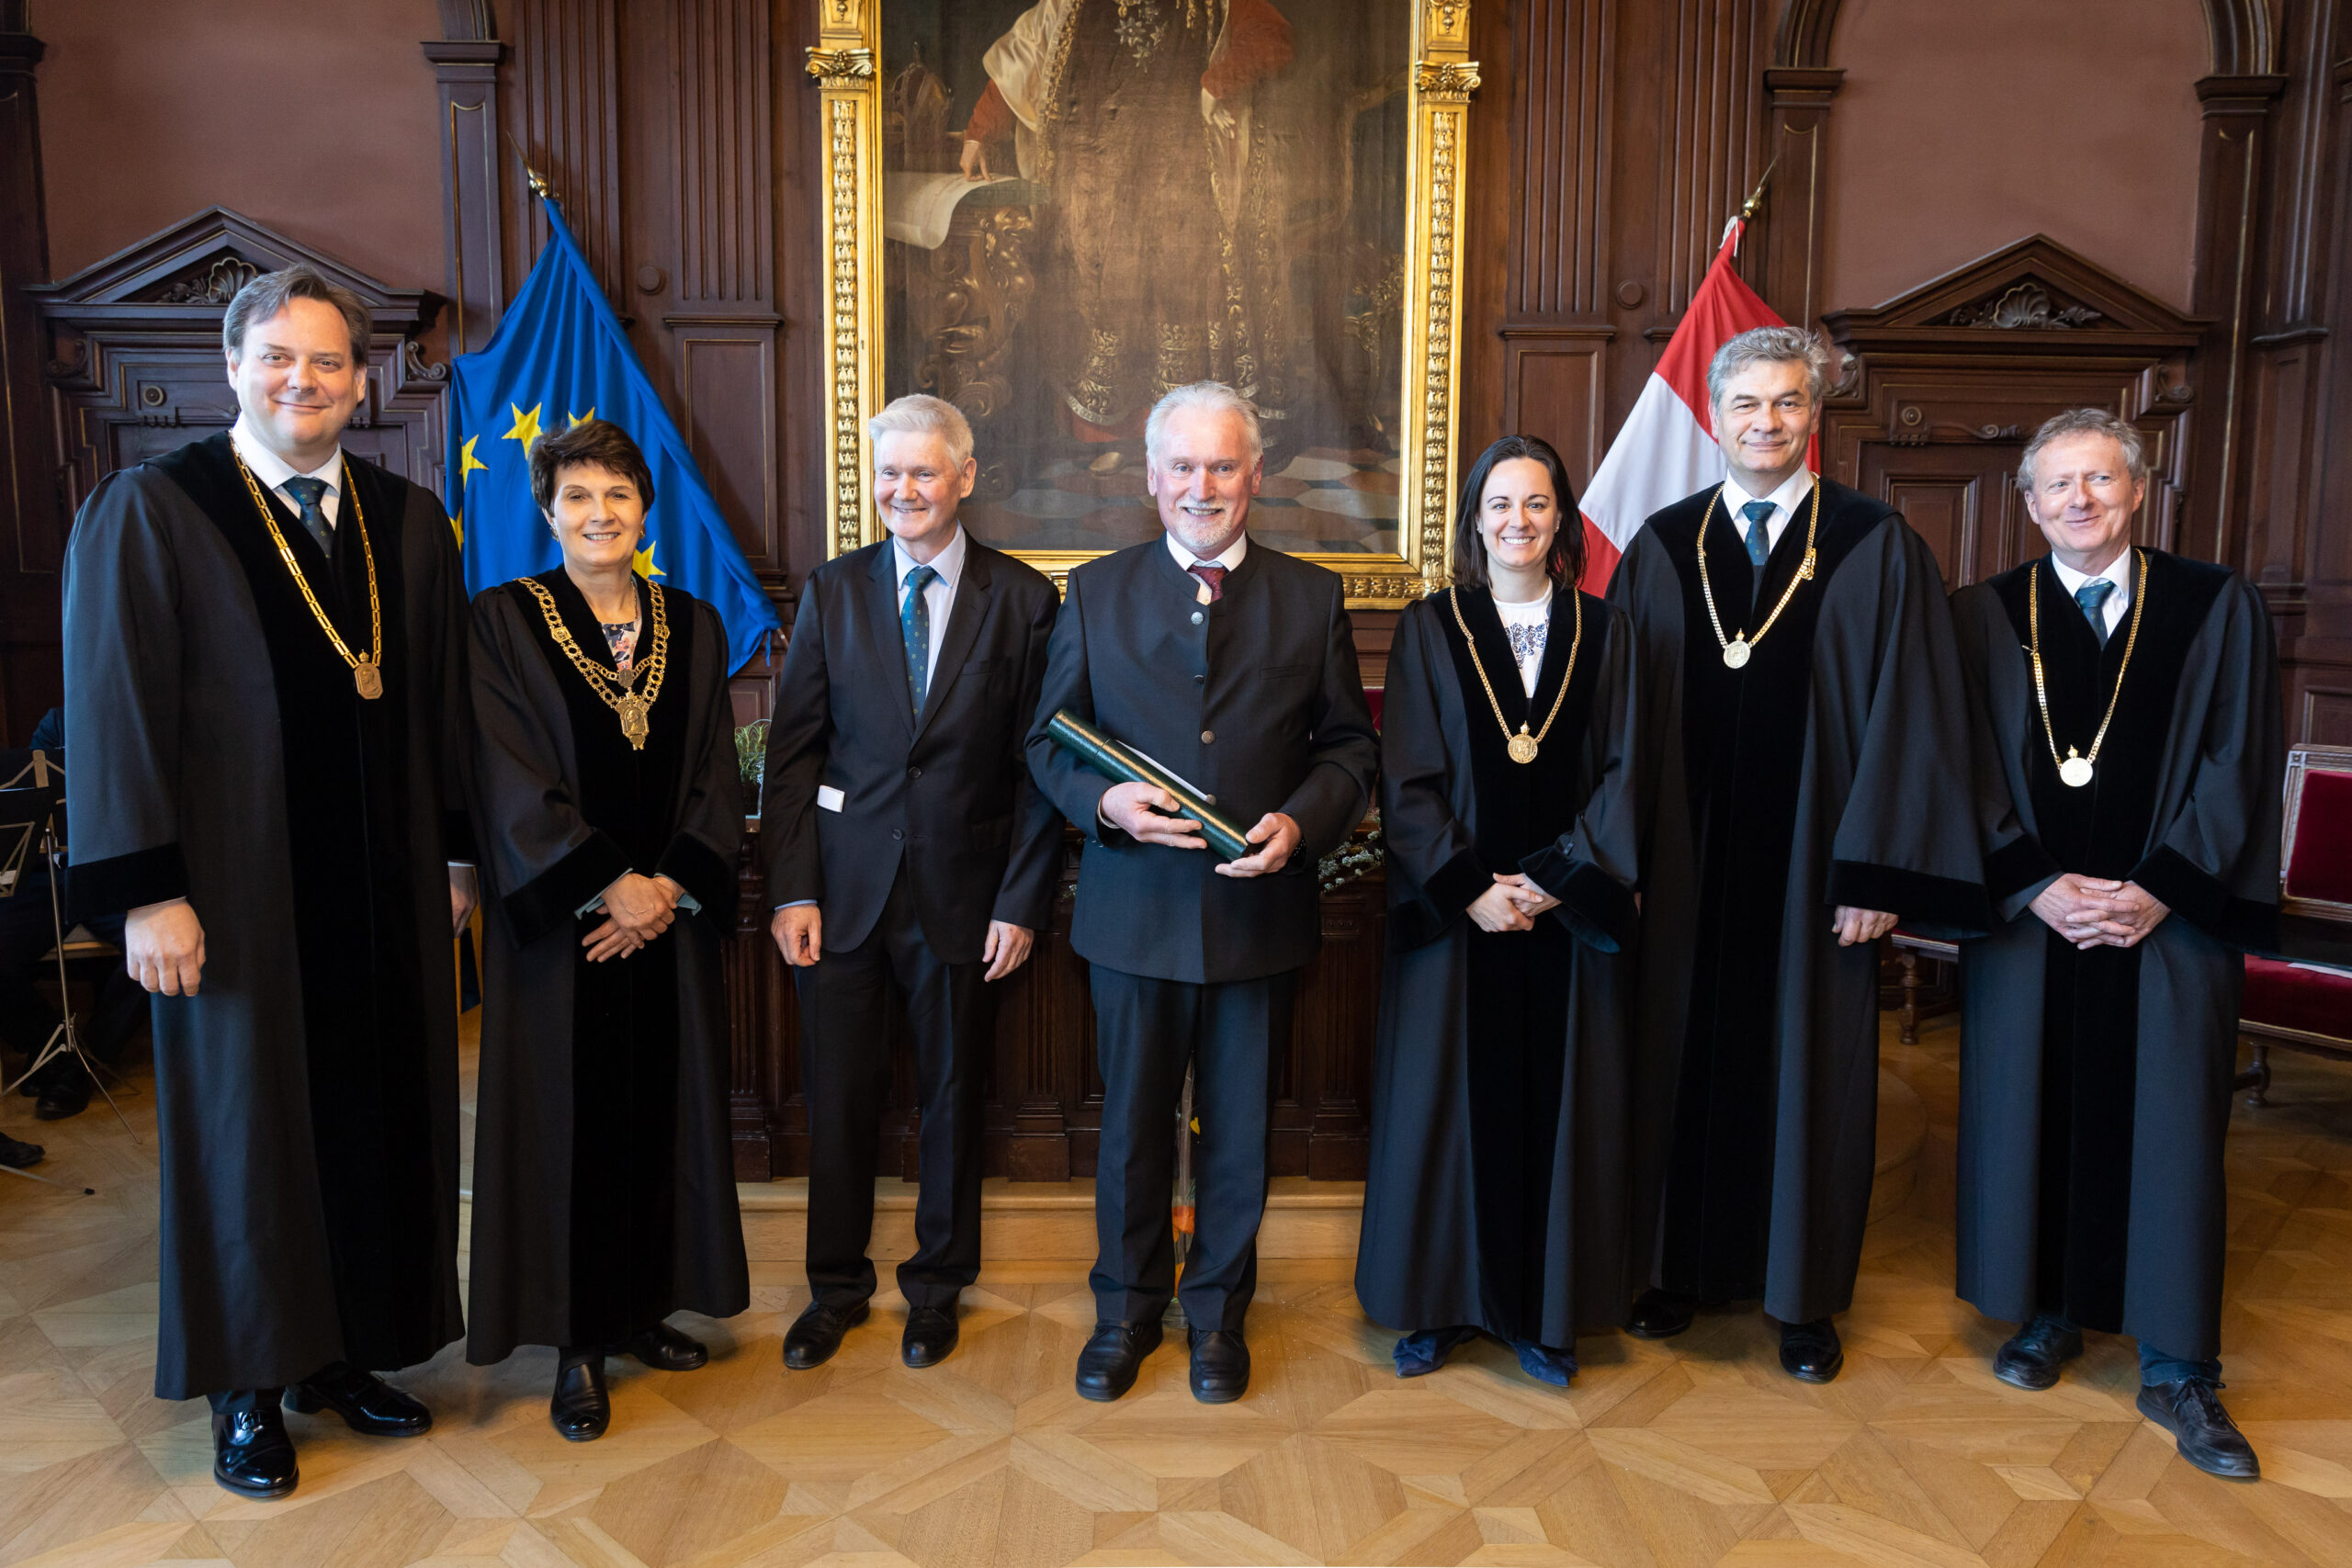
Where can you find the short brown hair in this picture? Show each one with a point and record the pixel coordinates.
(593, 443)
(267, 295)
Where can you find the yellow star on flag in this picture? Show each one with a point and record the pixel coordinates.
(468, 462)
(527, 426)
(643, 561)
(581, 418)
(458, 527)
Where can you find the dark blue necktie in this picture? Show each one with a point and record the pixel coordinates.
(1759, 537)
(307, 493)
(914, 628)
(2092, 597)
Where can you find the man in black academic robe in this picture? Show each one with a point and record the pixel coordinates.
(1233, 666)
(2101, 1017)
(1808, 747)
(908, 851)
(267, 777)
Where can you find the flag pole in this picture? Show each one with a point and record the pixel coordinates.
(1755, 202)
(531, 176)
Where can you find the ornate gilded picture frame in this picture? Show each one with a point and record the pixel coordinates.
(1049, 210)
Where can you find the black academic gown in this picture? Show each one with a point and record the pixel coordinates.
(603, 1180)
(1832, 770)
(2095, 1086)
(306, 1097)
(1497, 1193)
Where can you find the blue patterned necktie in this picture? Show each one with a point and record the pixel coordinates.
(1759, 537)
(914, 629)
(307, 493)
(2092, 597)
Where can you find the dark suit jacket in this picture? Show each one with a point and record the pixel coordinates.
(946, 789)
(1257, 701)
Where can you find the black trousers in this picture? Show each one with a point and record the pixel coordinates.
(1145, 1032)
(845, 1075)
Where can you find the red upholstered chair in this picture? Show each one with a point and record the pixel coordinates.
(2307, 1005)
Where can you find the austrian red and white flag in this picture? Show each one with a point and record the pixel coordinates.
(1665, 449)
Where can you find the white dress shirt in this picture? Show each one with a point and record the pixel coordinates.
(1785, 502)
(938, 594)
(273, 470)
(2118, 575)
(1186, 560)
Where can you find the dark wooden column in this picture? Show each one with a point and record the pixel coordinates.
(465, 66)
(32, 677)
(1788, 234)
(2225, 286)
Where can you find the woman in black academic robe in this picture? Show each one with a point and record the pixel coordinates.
(1497, 1196)
(609, 818)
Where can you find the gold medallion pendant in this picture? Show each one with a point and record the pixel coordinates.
(619, 692)
(1739, 647)
(1522, 747)
(2074, 770)
(634, 724)
(366, 669)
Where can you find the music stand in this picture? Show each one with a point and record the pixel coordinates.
(32, 800)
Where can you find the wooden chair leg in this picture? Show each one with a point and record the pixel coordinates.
(1910, 1014)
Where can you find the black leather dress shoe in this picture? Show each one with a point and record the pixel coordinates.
(251, 1455)
(930, 1336)
(20, 1155)
(1660, 1315)
(1107, 1368)
(63, 1094)
(2191, 1411)
(581, 1408)
(2031, 1358)
(665, 1349)
(1810, 1352)
(366, 1402)
(1220, 1366)
(817, 1333)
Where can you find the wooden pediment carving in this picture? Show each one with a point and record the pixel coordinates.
(2034, 289)
(191, 270)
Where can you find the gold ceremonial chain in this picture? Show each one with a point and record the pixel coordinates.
(2075, 771)
(619, 692)
(1522, 746)
(1736, 650)
(367, 673)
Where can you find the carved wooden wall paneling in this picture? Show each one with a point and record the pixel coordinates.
(32, 675)
(473, 161)
(567, 118)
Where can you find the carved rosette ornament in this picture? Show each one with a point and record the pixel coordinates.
(2027, 307)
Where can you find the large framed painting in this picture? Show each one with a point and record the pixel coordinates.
(1050, 212)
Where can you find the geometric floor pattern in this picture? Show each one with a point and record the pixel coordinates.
(1695, 1452)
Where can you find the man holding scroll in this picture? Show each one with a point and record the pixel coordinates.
(1232, 667)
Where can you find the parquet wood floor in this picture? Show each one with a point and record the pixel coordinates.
(1696, 1452)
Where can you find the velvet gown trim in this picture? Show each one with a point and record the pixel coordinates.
(357, 967)
(549, 899)
(2181, 596)
(1529, 806)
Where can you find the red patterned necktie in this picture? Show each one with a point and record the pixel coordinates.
(1212, 575)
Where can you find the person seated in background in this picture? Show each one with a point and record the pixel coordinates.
(2101, 1031)
(28, 937)
(610, 818)
(1497, 1199)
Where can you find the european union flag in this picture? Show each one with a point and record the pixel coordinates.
(559, 356)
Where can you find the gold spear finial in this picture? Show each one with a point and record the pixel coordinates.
(1755, 202)
(536, 181)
